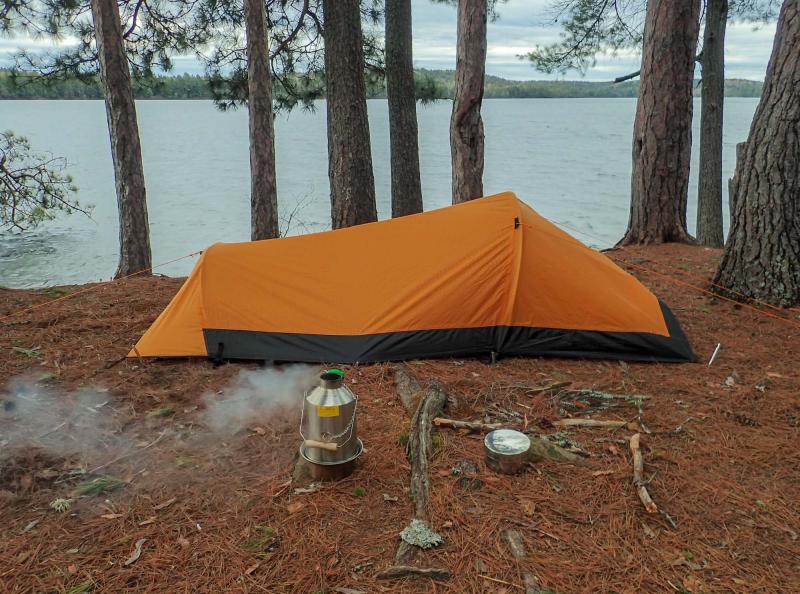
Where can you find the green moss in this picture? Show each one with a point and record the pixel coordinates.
(437, 440)
(360, 491)
(263, 539)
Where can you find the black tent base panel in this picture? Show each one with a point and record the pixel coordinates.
(459, 342)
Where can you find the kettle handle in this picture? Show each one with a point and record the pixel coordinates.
(330, 446)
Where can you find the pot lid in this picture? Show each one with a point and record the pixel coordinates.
(507, 442)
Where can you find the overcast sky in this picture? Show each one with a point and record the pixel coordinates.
(522, 25)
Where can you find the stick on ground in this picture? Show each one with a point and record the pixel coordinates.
(468, 425)
(638, 476)
(420, 449)
(595, 423)
(404, 571)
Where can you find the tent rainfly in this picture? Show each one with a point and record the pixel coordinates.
(489, 275)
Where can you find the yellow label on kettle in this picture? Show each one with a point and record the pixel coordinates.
(328, 411)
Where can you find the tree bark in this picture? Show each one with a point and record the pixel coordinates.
(709, 191)
(663, 127)
(263, 186)
(466, 125)
(126, 150)
(762, 256)
(349, 156)
(406, 186)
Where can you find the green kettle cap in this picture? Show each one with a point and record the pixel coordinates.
(338, 372)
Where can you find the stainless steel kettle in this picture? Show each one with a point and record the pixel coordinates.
(328, 421)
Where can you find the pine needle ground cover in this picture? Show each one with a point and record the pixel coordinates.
(195, 513)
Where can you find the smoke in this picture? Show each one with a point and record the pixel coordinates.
(256, 397)
(33, 414)
(91, 425)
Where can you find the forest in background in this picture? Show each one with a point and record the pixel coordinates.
(188, 86)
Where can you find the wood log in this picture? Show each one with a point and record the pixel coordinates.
(544, 449)
(403, 571)
(407, 388)
(420, 446)
(638, 476)
(429, 403)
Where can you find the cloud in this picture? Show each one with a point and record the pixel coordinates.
(524, 24)
(521, 26)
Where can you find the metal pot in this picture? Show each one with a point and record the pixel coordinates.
(506, 450)
(328, 426)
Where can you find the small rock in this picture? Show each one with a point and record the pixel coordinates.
(470, 483)
(465, 467)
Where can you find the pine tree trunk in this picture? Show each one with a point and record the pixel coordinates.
(709, 191)
(662, 131)
(762, 256)
(466, 125)
(406, 187)
(126, 150)
(349, 156)
(263, 186)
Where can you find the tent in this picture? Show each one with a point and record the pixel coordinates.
(489, 275)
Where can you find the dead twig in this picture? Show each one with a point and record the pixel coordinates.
(548, 388)
(397, 572)
(468, 425)
(595, 423)
(638, 476)
(498, 581)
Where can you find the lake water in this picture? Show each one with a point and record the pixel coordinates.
(568, 158)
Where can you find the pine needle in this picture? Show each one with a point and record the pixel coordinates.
(95, 486)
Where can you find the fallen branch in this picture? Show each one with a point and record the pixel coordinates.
(407, 388)
(595, 423)
(397, 572)
(544, 449)
(468, 425)
(600, 395)
(638, 476)
(420, 446)
(420, 449)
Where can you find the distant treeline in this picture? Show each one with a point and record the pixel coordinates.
(186, 86)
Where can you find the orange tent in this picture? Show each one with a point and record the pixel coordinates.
(489, 275)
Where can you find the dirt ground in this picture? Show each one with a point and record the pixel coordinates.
(218, 515)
